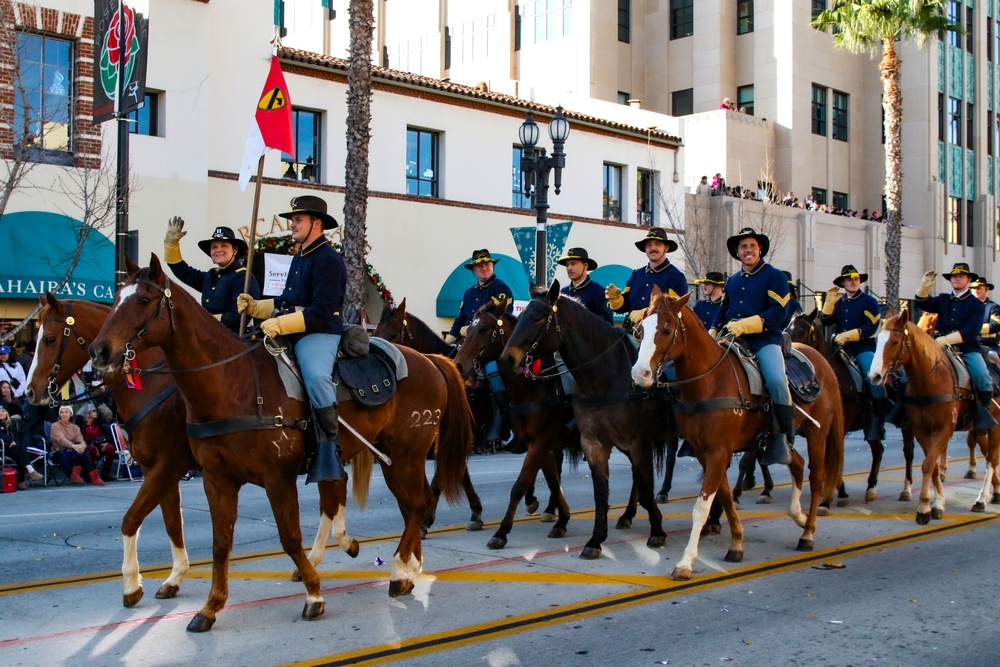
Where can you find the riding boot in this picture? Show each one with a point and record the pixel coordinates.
(500, 424)
(686, 449)
(782, 435)
(325, 464)
(875, 430)
(983, 420)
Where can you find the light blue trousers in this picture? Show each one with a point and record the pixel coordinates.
(317, 355)
(977, 369)
(772, 367)
(865, 360)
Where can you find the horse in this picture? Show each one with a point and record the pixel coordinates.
(609, 413)
(935, 405)
(718, 416)
(222, 379)
(159, 443)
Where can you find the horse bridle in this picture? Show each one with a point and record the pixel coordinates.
(673, 338)
(69, 329)
(497, 331)
(165, 300)
(552, 318)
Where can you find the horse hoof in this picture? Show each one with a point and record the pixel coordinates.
(400, 587)
(843, 502)
(130, 600)
(423, 532)
(970, 474)
(623, 523)
(978, 507)
(734, 556)
(200, 623)
(166, 592)
(532, 507)
(313, 610)
(871, 495)
(656, 541)
(297, 576)
(496, 543)
(681, 574)
(937, 514)
(473, 526)
(764, 499)
(661, 498)
(711, 529)
(923, 519)
(905, 496)
(557, 532)
(749, 483)
(354, 549)
(995, 500)
(822, 511)
(547, 517)
(590, 553)
(804, 545)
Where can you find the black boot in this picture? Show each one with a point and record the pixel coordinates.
(782, 435)
(875, 431)
(983, 420)
(500, 424)
(325, 464)
(896, 414)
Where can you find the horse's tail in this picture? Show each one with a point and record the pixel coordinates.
(455, 434)
(361, 473)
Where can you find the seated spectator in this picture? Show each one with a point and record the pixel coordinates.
(9, 401)
(15, 447)
(97, 434)
(68, 441)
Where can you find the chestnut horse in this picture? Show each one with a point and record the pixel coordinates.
(159, 443)
(235, 390)
(935, 405)
(608, 411)
(718, 416)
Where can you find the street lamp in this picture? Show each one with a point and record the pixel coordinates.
(535, 168)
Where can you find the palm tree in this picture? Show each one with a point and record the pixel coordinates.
(359, 102)
(866, 26)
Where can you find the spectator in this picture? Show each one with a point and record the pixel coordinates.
(727, 104)
(718, 184)
(703, 189)
(11, 371)
(27, 356)
(97, 434)
(68, 441)
(9, 401)
(14, 443)
(743, 109)
(864, 215)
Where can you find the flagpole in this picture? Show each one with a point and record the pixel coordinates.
(253, 238)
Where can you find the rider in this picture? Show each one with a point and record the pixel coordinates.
(753, 307)
(634, 299)
(991, 318)
(578, 263)
(220, 286)
(308, 311)
(855, 317)
(960, 319)
(711, 292)
(487, 286)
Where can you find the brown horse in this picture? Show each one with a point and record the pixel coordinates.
(234, 390)
(935, 405)
(154, 417)
(718, 416)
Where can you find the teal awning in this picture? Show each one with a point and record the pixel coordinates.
(507, 269)
(40, 247)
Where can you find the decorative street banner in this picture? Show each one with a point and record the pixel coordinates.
(556, 234)
(121, 40)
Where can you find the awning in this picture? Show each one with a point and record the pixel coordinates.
(40, 249)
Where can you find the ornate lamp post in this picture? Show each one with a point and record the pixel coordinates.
(535, 169)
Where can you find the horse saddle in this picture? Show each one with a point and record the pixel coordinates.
(853, 369)
(798, 370)
(369, 380)
(963, 379)
(991, 364)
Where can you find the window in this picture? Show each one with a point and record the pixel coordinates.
(645, 197)
(970, 22)
(954, 16)
(819, 110)
(970, 207)
(969, 129)
(681, 18)
(682, 102)
(818, 7)
(146, 120)
(544, 20)
(744, 17)
(819, 195)
(996, 38)
(954, 121)
(521, 199)
(989, 40)
(421, 162)
(42, 118)
(306, 131)
(954, 222)
(623, 98)
(940, 118)
(841, 201)
(744, 98)
(840, 104)
(612, 192)
(989, 133)
(474, 38)
(996, 132)
(624, 20)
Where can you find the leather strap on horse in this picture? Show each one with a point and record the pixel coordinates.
(134, 420)
(238, 424)
(934, 399)
(614, 399)
(727, 403)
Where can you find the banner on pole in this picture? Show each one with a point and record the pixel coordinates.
(121, 43)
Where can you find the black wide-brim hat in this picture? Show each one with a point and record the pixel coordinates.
(733, 242)
(224, 234)
(656, 234)
(981, 282)
(313, 206)
(849, 272)
(480, 257)
(580, 254)
(712, 278)
(961, 268)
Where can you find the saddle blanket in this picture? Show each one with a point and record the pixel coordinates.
(294, 389)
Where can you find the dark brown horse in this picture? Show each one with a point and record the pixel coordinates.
(154, 417)
(234, 390)
(935, 405)
(718, 416)
(608, 410)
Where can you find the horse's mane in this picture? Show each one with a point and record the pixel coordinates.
(593, 327)
(920, 337)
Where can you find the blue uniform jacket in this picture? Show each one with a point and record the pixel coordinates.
(317, 280)
(667, 277)
(858, 312)
(476, 296)
(707, 310)
(792, 308)
(761, 291)
(219, 288)
(591, 294)
(957, 313)
(991, 315)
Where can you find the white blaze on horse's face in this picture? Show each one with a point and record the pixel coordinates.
(34, 359)
(876, 373)
(642, 374)
(124, 294)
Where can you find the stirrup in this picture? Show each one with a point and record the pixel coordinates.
(325, 465)
(776, 451)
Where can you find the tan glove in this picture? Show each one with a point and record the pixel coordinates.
(284, 324)
(926, 283)
(847, 336)
(954, 338)
(714, 333)
(753, 324)
(257, 309)
(636, 316)
(448, 338)
(832, 296)
(218, 316)
(463, 332)
(614, 297)
(985, 330)
(172, 240)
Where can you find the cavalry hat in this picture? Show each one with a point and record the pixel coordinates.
(580, 254)
(849, 272)
(981, 282)
(733, 242)
(656, 234)
(314, 206)
(224, 234)
(788, 277)
(960, 268)
(4, 349)
(712, 278)
(480, 257)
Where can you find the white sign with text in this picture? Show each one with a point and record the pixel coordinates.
(275, 273)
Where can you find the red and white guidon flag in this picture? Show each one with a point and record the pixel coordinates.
(273, 123)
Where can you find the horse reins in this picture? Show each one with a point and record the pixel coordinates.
(673, 338)
(544, 374)
(165, 300)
